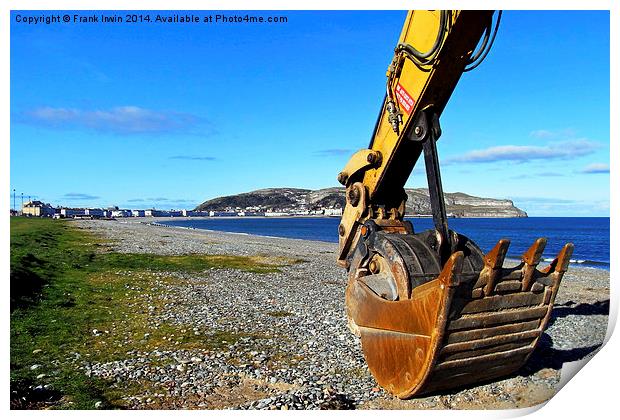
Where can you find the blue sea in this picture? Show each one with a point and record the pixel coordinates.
(589, 234)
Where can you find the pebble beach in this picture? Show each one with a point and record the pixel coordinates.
(295, 350)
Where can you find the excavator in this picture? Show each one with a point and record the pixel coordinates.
(433, 311)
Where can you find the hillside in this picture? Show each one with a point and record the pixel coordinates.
(296, 200)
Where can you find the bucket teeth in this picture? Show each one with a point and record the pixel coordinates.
(451, 270)
(560, 263)
(531, 258)
(494, 261)
(495, 258)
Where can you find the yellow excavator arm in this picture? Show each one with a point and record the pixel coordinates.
(432, 53)
(431, 309)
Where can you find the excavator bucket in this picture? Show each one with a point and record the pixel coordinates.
(424, 328)
(432, 310)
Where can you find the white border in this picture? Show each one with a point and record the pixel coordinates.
(591, 395)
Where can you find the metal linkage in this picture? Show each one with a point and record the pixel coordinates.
(426, 130)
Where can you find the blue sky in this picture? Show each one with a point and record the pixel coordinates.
(141, 115)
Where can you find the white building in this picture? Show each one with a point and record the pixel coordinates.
(276, 214)
(120, 213)
(67, 213)
(38, 209)
(333, 212)
(95, 213)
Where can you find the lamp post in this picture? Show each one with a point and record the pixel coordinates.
(22, 207)
(13, 199)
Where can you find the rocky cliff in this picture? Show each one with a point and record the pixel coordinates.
(297, 200)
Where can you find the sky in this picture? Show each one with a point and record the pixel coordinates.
(143, 115)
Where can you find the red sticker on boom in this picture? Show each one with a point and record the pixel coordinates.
(404, 99)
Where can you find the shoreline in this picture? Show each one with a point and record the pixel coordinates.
(156, 221)
(509, 261)
(319, 216)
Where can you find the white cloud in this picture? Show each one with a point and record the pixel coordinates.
(596, 168)
(80, 196)
(120, 120)
(554, 150)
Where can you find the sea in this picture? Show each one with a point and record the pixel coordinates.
(590, 235)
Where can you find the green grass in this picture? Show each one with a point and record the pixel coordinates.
(186, 263)
(47, 291)
(63, 287)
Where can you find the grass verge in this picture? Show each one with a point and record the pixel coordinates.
(62, 288)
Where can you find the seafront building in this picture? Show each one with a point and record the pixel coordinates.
(40, 209)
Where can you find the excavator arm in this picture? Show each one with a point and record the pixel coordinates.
(415, 88)
(431, 309)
